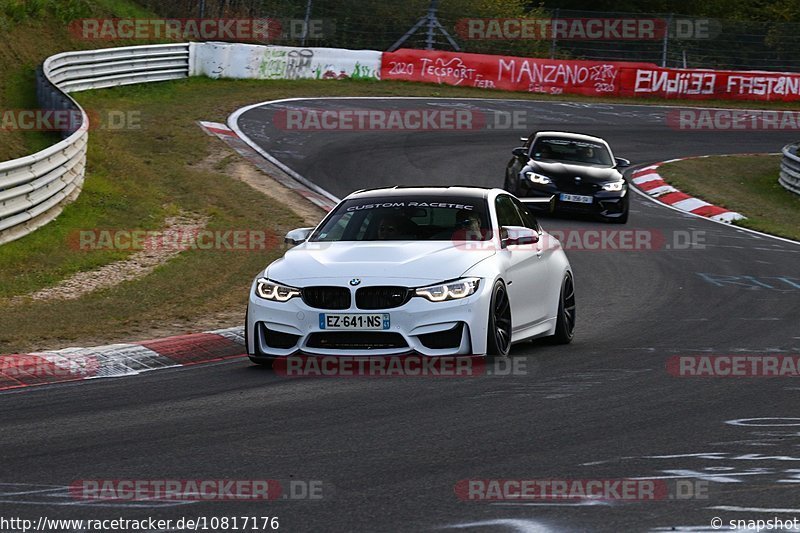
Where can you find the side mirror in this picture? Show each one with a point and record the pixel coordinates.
(297, 236)
(521, 152)
(622, 162)
(517, 236)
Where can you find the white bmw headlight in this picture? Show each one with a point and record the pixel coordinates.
(613, 186)
(269, 290)
(538, 178)
(451, 290)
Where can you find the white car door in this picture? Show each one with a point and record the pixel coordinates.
(526, 273)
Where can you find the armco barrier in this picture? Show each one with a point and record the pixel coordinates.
(790, 168)
(35, 188)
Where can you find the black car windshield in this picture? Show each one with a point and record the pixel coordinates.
(570, 151)
(415, 218)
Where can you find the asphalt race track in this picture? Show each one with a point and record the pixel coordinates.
(389, 452)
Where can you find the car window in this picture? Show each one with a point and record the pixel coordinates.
(507, 214)
(403, 218)
(571, 151)
(528, 220)
(336, 231)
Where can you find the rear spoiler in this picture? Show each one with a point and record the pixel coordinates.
(542, 205)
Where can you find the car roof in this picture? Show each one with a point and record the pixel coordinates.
(570, 135)
(463, 191)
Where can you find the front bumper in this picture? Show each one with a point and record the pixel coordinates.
(456, 327)
(604, 203)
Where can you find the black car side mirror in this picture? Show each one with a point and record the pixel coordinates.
(520, 152)
(622, 162)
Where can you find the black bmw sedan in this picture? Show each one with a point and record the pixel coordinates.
(579, 171)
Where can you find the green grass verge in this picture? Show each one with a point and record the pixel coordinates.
(33, 30)
(745, 184)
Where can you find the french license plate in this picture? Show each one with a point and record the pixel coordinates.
(578, 198)
(354, 321)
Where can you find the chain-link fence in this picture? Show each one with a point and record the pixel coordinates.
(692, 42)
(489, 26)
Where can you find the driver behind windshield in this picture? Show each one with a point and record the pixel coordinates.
(395, 227)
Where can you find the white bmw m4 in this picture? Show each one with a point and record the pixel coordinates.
(427, 270)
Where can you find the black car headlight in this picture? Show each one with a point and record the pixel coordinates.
(269, 290)
(533, 177)
(449, 290)
(613, 186)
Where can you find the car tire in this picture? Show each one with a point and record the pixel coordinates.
(498, 341)
(565, 320)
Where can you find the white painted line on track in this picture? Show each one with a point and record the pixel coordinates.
(736, 508)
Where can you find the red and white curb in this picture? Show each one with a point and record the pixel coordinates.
(115, 360)
(651, 183)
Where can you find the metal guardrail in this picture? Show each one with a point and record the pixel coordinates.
(35, 188)
(790, 168)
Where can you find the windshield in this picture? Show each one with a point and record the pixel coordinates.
(569, 151)
(406, 218)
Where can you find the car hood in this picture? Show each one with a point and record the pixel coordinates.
(558, 171)
(419, 262)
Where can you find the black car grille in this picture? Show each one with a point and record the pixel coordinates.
(356, 340)
(327, 297)
(382, 297)
(571, 187)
